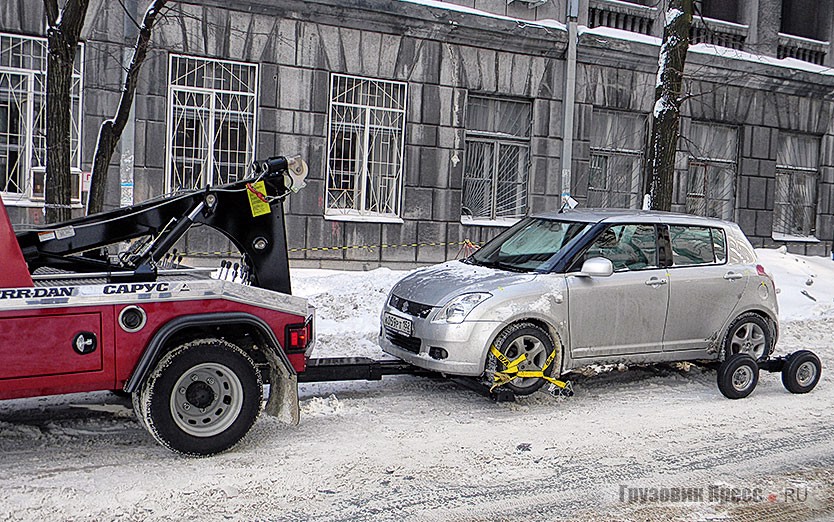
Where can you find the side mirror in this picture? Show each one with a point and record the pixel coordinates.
(597, 267)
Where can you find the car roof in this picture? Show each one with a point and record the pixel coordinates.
(619, 215)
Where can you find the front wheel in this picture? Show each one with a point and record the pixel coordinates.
(738, 376)
(801, 372)
(536, 344)
(202, 397)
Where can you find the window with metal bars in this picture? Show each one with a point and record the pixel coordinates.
(710, 180)
(366, 142)
(212, 121)
(23, 120)
(497, 160)
(797, 176)
(617, 143)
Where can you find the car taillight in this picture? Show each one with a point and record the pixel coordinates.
(298, 336)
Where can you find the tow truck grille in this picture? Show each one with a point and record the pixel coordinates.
(411, 344)
(410, 307)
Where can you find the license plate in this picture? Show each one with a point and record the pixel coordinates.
(398, 324)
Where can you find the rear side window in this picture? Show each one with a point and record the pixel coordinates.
(697, 245)
(719, 245)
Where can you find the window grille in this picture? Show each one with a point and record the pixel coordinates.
(365, 146)
(797, 175)
(23, 119)
(617, 143)
(497, 160)
(212, 121)
(710, 183)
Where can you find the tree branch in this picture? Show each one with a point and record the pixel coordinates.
(52, 12)
(111, 130)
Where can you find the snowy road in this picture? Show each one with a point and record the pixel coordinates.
(416, 448)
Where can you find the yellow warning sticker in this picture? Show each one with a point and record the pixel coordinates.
(257, 198)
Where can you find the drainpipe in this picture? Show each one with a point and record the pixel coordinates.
(570, 96)
(127, 142)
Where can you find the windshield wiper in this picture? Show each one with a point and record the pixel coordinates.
(504, 266)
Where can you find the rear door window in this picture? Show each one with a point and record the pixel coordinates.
(693, 245)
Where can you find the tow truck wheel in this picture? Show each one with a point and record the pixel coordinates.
(532, 341)
(738, 376)
(202, 397)
(801, 372)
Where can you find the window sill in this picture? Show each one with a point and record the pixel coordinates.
(794, 239)
(360, 218)
(479, 222)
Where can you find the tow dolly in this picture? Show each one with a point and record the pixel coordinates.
(738, 375)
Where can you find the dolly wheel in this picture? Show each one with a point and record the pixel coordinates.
(801, 372)
(738, 376)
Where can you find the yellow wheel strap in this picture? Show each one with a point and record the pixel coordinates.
(511, 370)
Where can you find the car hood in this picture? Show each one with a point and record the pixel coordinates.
(436, 285)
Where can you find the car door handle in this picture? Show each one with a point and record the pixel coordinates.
(655, 282)
(732, 276)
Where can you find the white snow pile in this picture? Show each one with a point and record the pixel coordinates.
(805, 284)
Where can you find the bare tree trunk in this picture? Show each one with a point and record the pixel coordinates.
(62, 40)
(111, 130)
(666, 118)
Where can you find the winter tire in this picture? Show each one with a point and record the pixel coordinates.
(202, 397)
(750, 333)
(738, 376)
(801, 372)
(536, 344)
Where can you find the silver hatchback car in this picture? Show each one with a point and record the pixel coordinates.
(596, 286)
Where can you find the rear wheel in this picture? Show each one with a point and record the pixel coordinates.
(801, 372)
(202, 397)
(750, 333)
(738, 376)
(536, 344)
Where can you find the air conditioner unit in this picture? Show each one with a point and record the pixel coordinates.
(530, 3)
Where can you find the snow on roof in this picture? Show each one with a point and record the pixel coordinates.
(619, 34)
(549, 23)
(790, 63)
(715, 50)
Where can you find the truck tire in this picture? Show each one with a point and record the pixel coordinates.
(535, 343)
(202, 397)
(136, 400)
(801, 372)
(738, 376)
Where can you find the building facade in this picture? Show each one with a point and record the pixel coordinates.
(427, 124)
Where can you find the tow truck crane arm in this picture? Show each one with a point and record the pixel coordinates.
(78, 245)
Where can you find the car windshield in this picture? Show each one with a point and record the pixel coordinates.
(529, 245)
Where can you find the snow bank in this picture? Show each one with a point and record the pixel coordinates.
(805, 284)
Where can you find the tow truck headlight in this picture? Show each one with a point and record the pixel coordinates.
(458, 308)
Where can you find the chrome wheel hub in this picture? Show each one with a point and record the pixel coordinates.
(742, 378)
(806, 373)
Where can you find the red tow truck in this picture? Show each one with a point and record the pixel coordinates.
(79, 312)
